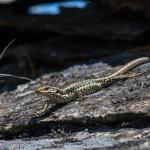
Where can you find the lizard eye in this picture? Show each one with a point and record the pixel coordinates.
(46, 88)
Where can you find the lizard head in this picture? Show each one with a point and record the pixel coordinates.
(46, 90)
(54, 94)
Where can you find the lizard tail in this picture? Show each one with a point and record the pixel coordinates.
(131, 65)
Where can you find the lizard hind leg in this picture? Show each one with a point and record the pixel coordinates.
(45, 108)
(130, 75)
(79, 96)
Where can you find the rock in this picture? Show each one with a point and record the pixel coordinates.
(135, 6)
(117, 116)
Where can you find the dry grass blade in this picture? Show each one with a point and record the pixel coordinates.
(2, 54)
(10, 75)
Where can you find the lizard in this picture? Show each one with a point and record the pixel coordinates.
(77, 90)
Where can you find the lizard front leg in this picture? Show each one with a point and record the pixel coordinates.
(45, 108)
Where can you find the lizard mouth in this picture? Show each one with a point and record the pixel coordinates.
(37, 91)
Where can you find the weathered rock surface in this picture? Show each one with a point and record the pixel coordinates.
(117, 116)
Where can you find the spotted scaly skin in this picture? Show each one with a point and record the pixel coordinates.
(111, 78)
(79, 89)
